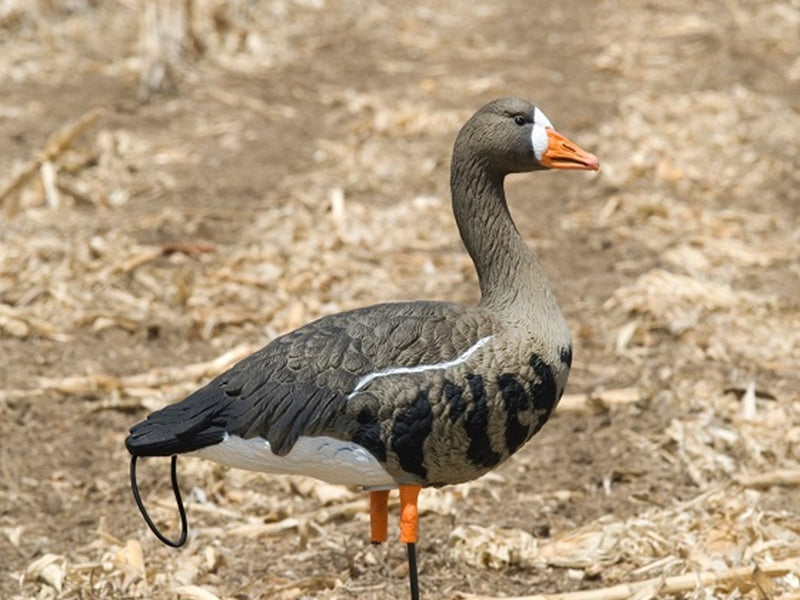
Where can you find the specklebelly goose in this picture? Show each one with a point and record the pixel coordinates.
(411, 394)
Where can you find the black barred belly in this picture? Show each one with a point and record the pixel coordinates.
(457, 427)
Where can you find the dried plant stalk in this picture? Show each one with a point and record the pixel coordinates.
(665, 585)
(151, 379)
(321, 515)
(785, 477)
(55, 146)
(166, 37)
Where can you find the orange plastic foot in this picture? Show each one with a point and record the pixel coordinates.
(379, 516)
(409, 515)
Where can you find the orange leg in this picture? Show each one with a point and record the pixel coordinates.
(409, 527)
(409, 515)
(379, 516)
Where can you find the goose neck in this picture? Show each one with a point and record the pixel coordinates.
(510, 276)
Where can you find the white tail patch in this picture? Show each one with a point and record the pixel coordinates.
(419, 368)
(325, 458)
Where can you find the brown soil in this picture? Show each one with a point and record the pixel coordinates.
(300, 167)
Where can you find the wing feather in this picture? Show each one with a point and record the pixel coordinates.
(299, 383)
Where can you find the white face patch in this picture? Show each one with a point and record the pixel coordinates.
(539, 134)
(420, 368)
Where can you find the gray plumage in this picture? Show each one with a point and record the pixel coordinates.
(458, 390)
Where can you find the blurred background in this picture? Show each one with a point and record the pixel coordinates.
(183, 180)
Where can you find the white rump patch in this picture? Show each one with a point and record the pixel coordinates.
(325, 458)
(419, 368)
(539, 134)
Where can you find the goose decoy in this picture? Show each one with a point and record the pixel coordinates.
(411, 394)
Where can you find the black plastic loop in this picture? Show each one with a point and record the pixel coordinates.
(181, 509)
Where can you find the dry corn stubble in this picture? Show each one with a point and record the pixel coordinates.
(112, 276)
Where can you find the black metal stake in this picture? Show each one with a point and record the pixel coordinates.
(412, 571)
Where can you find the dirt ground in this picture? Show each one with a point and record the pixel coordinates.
(300, 167)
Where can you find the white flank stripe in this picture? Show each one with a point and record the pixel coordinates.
(420, 368)
(322, 457)
(539, 134)
(325, 458)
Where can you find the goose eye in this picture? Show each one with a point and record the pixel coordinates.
(520, 120)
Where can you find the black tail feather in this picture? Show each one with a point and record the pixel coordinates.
(189, 425)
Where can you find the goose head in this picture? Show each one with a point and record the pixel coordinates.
(514, 136)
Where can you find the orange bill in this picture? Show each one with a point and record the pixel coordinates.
(563, 154)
